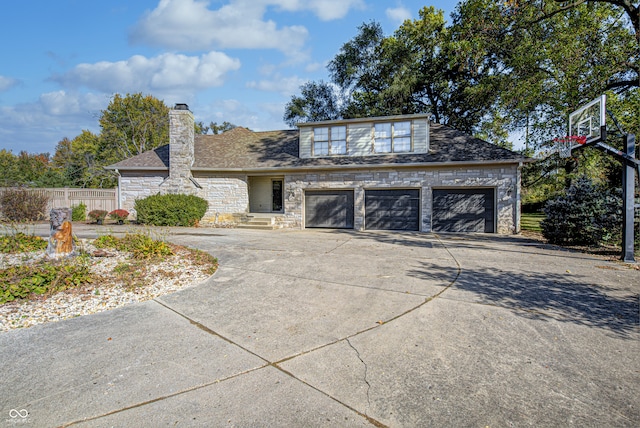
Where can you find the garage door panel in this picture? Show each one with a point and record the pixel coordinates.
(392, 209)
(463, 210)
(329, 209)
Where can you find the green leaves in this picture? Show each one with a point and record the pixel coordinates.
(130, 125)
(586, 214)
(498, 68)
(18, 282)
(170, 210)
(140, 245)
(21, 242)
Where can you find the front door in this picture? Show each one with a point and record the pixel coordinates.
(276, 193)
(266, 194)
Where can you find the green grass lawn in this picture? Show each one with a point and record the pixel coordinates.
(531, 222)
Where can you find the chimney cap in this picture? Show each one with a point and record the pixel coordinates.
(181, 106)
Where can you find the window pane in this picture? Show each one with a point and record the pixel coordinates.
(338, 147)
(402, 129)
(321, 134)
(321, 148)
(383, 130)
(402, 144)
(339, 133)
(383, 145)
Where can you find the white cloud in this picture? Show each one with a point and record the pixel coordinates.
(163, 74)
(326, 10)
(398, 14)
(312, 67)
(191, 25)
(7, 83)
(287, 86)
(38, 126)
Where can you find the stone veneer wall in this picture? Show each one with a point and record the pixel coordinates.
(228, 195)
(181, 153)
(228, 198)
(505, 179)
(138, 185)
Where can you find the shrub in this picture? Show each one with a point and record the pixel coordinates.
(79, 212)
(18, 282)
(119, 215)
(106, 241)
(21, 242)
(23, 205)
(140, 245)
(586, 215)
(171, 210)
(97, 215)
(144, 247)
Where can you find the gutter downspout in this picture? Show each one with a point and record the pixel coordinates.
(518, 197)
(118, 191)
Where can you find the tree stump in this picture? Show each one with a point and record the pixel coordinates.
(60, 233)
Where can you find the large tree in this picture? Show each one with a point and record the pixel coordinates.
(499, 69)
(423, 67)
(130, 125)
(553, 56)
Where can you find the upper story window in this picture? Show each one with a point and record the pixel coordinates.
(330, 140)
(392, 137)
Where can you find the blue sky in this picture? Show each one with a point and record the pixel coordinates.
(230, 60)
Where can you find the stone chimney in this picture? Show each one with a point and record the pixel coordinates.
(181, 136)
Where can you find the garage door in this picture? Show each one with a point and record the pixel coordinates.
(397, 209)
(331, 209)
(463, 210)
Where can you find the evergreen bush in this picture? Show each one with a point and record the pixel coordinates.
(171, 210)
(587, 214)
(79, 212)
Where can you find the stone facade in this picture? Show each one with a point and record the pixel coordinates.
(232, 194)
(228, 195)
(501, 178)
(138, 185)
(181, 152)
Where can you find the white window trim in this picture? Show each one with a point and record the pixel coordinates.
(330, 139)
(393, 136)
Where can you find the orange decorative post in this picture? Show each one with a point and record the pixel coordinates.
(60, 234)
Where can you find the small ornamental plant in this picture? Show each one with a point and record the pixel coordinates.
(119, 215)
(97, 215)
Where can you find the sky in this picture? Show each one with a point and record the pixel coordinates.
(239, 61)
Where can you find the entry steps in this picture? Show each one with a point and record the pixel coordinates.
(260, 221)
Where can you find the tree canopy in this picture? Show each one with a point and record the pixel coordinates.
(499, 68)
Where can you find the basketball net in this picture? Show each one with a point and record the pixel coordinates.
(565, 144)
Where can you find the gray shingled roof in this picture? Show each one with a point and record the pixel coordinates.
(241, 149)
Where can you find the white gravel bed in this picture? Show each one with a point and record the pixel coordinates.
(165, 276)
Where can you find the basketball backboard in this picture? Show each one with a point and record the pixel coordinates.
(588, 120)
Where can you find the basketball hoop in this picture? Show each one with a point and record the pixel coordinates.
(565, 144)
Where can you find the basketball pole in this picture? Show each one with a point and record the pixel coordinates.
(628, 202)
(630, 163)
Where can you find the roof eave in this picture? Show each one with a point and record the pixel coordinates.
(359, 167)
(137, 168)
(365, 119)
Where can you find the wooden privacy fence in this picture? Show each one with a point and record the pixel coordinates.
(64, 197)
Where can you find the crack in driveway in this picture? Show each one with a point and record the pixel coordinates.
(365, 372)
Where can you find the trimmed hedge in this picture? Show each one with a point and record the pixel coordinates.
(171, 210)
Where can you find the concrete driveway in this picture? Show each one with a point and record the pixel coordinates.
(331, 328)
